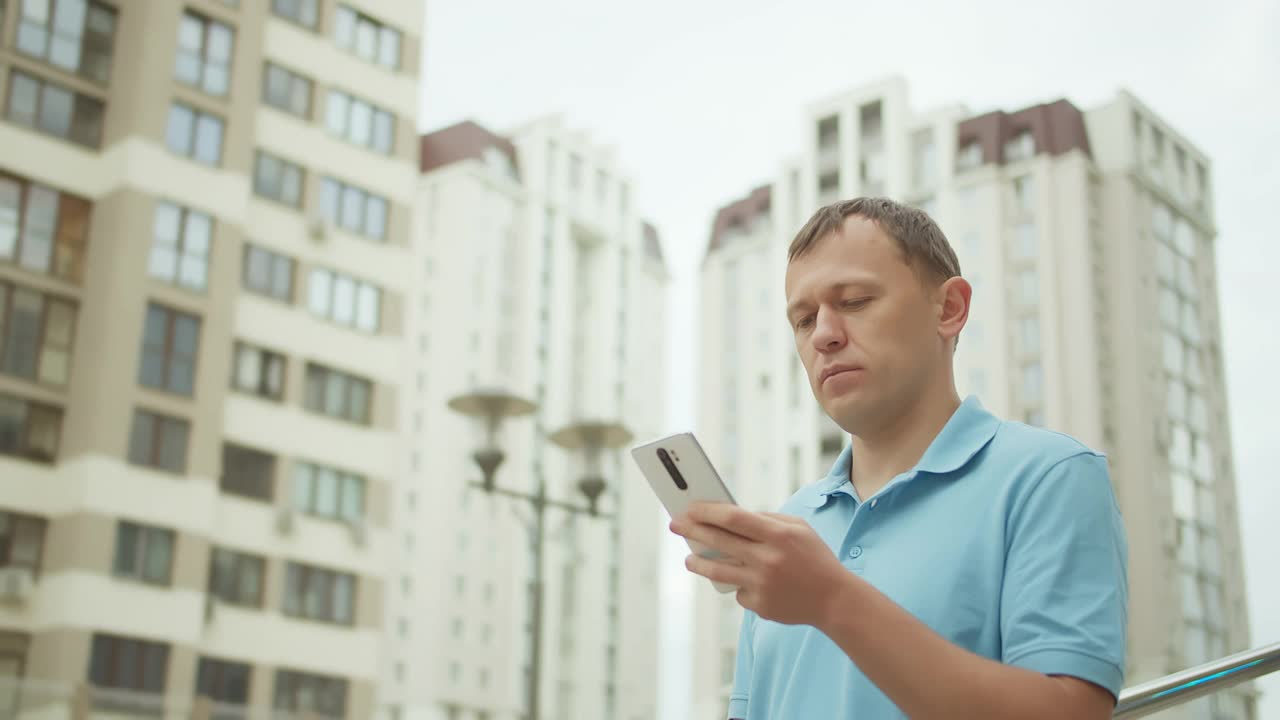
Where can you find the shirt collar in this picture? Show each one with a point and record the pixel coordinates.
(966, 433)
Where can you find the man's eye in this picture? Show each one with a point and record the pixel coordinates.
(855, 303)
(804, 322)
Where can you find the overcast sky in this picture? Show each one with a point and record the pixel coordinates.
(702, 100)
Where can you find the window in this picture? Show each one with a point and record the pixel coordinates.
(180, 249)
(924, 159)
(317, 594)
(1020, 147)
(1031, 382)
(42, 229)
(21, 540)
(74, 35)
(328, 492)
(1173, 353)
(359, 122)
(369, 39)
(54, 110)
(258, 371)
(829, 182)
(28, 429)
(1024, 200)
(1028, 287)
(1024, 241)
(337, 394)
(1161, 220)
(354, 209)
(236, 578)
(247, 472)
(278, 179)
(194, 134)
(302, 692)
(344, 300)
(128, 664)
(143, 553)
(204, 53)
(223, 681)
(159, 441)
(268, 273)
(303, 12)
(36, 331)
(969, 156)
(169, 343)
(1029, 334)
(286, 90)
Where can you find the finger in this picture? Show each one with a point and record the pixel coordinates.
(792, 519)
(717, 571)
(741, 522)
(718, 539)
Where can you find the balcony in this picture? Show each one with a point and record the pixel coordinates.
(32, 699)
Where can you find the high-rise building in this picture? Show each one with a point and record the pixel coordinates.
(1089, 240)
(536, 276)
(204, 234)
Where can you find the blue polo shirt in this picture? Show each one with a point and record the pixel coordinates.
(1005, 539)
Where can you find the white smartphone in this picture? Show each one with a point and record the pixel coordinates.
(680, 473)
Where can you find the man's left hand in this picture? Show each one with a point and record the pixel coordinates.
(783, 570)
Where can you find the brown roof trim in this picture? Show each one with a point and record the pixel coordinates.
(1057, 128)
(463, 141)
(740, 212)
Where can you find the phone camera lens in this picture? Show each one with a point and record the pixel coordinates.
(672, 470)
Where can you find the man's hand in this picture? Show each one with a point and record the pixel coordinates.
(784, 571)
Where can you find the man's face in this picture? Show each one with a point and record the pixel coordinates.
(865, 325)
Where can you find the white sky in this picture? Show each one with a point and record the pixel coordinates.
(703, 100)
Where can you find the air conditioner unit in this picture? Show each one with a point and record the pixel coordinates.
(317, 228)
(285, 520)
(359, 531)
(16, 584)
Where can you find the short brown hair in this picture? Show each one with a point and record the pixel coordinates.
(924, 246)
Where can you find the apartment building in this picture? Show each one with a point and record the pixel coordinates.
(204, 231)
(1089, 239)
(537, 276)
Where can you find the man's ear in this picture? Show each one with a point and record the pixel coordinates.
(953, 298)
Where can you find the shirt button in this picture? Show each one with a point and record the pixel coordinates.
(855, 551)
(874, 501)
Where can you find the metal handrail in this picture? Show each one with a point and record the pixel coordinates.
(1181, 687)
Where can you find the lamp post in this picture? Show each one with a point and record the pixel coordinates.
(493, 406)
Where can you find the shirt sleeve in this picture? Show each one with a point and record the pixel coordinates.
(742, 671)
(1064, 605)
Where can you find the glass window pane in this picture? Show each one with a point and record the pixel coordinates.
(56, 107)
(33, 32)
(190, 43)
(1173, 353)
(43, 429)
(159, 551)
(221, 40)
(173, 445)
(367, 310)
(1192, 607)
(250, 577)
(248, 368)
(41, 221)
(208, 140)
(68, 26)
(302, 486)
(1206, 507)
(389, 48)
(375, 221)
(361, 130)
(291, 185)
(344, 27)
(1184, 498)
(257, 268)
(282, 278)
(24, 93)
(383, 131)
(359, 411)
(180, 129)
(344, 300)
(366, 40)
(343, 592)
(352, 217)
(22, 335)
(1210, 555)
(336, 110)
(330, 197)
(142, 438)
(275, 375)
(300, 96)
(352, 497)
(186, 333)
(126, 549)
(326, 496)
(319, 292)
(335, 395)
(10, 197)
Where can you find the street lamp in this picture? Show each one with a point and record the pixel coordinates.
(493, 406)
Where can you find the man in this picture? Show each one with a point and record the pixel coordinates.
(951, 565)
